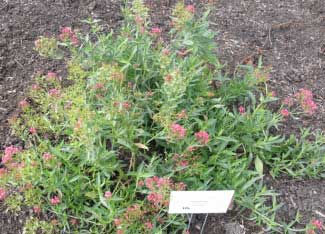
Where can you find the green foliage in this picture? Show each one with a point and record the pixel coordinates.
(33, 225)
(140, 117)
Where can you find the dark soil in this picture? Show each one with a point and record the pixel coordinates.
(290, 35)
(21, 23)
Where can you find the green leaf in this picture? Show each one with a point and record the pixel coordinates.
(259, 166)
(91, 194)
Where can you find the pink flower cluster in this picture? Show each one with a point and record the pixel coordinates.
(155, 198)
(54, 92)
(15, 165)
(317, 224)
(37, 209)
(3, 194)
(55, 200)
(3, 172)
(32, 130)
(51, 76)
(284, 112)
(156, 31)
(305, 97)
(108, 194)
(68, 34)
(181, 160)
(9, 152)
(178, 131)
(157, 182)
(99, 86)
(133, 212)
(122, 105)
(288, 101)
(23, 104)
(190, 8)
(35, 87)
(241, 110)
(202, 137)
(47, 156)
(148, 225)
(159, 188)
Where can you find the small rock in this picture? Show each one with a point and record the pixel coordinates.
(234, 228)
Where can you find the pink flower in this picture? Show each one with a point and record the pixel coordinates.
(183, 163)
(119, 231)
(288, 101)
(51, 76)
(3, 194)
(285, 112)
(318, 224)
(6, 159)
(23, 104)
(99, 85)
(117, 222)
(108, 194)
(178, 131)
(165, 52)
(162, 182)
(241, 110)
(126, 105)
(202, 137)
(149, 183)
(55, 200)
(3, 172)
(54, 92)
(35, 87)
(190, 8)
(68, 34)
(148, 225)
(9, 152)
(156, 30)
(47, 156)
(74, 40)
(305, 97)
(37, 209)
(168, 78)
(155, 198)
(15, 165)
(66, 30)
(309, 106)
(32, 130)
(180, 186)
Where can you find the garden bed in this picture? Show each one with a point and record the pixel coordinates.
(288, 35)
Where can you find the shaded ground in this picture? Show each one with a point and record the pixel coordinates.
(289, 34)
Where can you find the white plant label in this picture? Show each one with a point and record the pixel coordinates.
(200, 202)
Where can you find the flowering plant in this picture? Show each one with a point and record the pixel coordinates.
(141, 117)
